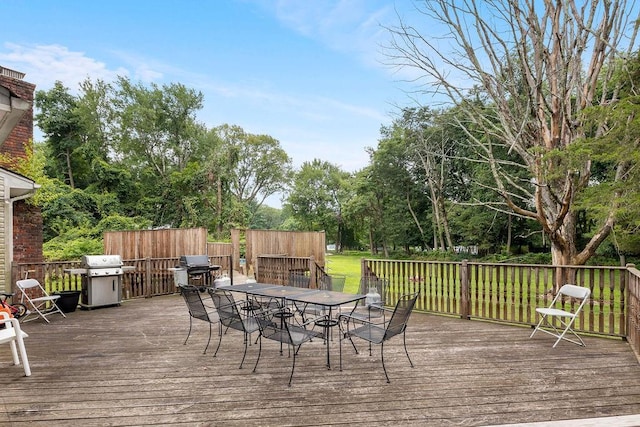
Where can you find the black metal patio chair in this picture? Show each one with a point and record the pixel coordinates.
(280, 325)
(197, 310)
(376, 291)
(376, 333)
(299, 279)
(233, 315)
(326, 283)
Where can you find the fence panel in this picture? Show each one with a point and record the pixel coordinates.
(155, 244)
(275, 269)
(508, 292)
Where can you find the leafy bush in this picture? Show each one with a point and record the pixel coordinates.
(61, 249)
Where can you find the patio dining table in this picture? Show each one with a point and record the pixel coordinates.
(328, 299)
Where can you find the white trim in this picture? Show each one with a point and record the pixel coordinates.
(620, 421)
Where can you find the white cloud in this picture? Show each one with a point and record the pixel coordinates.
(46, 64)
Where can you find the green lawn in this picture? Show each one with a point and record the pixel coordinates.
(348, 265)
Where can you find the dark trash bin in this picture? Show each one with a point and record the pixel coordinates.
(68, 300)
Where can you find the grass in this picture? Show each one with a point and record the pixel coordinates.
(349, 265)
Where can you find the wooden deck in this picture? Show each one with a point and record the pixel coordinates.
(127, 365)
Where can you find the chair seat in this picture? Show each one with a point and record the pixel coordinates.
(567, 295)
(248, 324)
(301, 335)
(371, 333)
(555, 312)
(9, 334)
(377, 332)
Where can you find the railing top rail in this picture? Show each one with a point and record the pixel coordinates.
(502, 264)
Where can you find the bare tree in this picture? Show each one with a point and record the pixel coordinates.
(431, 146)
(538, 65)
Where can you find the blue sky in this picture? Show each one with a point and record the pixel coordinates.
(309, 73)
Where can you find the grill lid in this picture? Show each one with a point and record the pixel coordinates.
(190, 261)
(197, 264)
(100, 261)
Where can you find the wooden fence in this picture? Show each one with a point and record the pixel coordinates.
(633, 310)
(217, 249)
(150, 276)
(164, 243)
(281, 243)
(276, 269)
(498, 292)
(507, 292)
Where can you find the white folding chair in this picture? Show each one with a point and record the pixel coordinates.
(37, 300)
(12, 334)
(566, 318)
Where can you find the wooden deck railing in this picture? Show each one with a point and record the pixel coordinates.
(276, 269)
(633, 309)
(150, 277)
(510, 292)
(498, 292)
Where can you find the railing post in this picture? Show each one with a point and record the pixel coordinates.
(313, 284)
(147, 269)
(629, 307)
(465, 290)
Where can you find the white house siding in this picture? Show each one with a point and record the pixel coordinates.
(3, 238)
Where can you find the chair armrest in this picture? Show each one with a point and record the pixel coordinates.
(14, 322)
(314, 319)
(349, 317)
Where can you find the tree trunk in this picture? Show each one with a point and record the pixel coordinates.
(69, 170)
(219, 197)
(415, 219)
(509, 234)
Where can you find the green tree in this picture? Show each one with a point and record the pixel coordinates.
(252, 167)
(58, 120)
(317, 198)
(539, 65)
(158, 137)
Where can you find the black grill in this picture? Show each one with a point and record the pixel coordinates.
(197, 265)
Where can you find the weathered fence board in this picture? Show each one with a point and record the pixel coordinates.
(166, 243)
(274, 242)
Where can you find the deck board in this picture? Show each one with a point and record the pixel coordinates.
(126, 365)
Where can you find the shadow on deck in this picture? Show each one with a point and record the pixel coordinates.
(127, 365)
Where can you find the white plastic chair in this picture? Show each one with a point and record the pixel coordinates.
(566, 318)
(12, 334)
(38, 304)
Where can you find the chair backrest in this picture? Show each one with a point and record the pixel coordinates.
(28, 284)
(226, 307)
(574, 291)
(299, 279)
(30, 289)
(324, 283)
(578, 292)
(400, 317)
(337, 282)
(192, 298)
(277, 328)
(7, 331)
